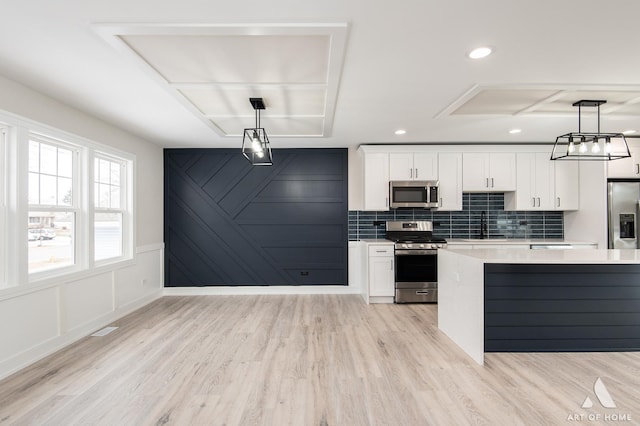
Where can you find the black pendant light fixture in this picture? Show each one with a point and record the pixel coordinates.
(590, 146)
(255, 142)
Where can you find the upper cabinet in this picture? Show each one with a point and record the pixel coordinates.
(566, 185)
(376, 181)
(488, 172)
(413, 166)
(626, 167)
(543, 184)
(450, 177)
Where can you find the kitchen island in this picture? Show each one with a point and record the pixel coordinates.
(500, 300)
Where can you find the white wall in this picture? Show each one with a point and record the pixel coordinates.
(38, 319)
(355, 180)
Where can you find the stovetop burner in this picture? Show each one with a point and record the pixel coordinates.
(413, 235)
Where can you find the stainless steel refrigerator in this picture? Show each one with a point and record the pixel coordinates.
(623, 207)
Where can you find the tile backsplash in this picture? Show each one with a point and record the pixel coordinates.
(466, 223)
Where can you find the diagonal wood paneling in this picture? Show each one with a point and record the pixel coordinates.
(228, 223)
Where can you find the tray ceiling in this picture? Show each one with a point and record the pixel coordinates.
(214, 70)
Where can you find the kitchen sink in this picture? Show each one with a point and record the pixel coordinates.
(484, 240)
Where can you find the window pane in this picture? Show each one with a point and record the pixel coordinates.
(115, 197)
(34, 156)
(48, 193)
(65, 163)
(65, 194)
(108, 235)
(50, 240)
(105, 170)
(34, 188)
(104, 192)
(115, 174)
(48, 159)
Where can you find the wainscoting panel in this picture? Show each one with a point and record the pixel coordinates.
(228, 223)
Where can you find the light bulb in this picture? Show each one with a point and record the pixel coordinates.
(595, 148)
(572, 147)
(607, 146)
(583, 147)
(260, 154)
(256, 145)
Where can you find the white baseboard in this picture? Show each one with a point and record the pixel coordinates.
(46, 348)
(258, 290)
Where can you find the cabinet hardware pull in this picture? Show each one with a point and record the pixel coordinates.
(538, 201)
(391, 266)
(487, 183)
(638, 169)
(411, 173)
(386, 201)
(422, 292)
(533, 201)
(492, 182)
(558, 201)
(416, 173)
(440, 202)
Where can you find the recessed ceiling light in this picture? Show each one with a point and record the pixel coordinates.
(400, 132)
(514, 131)
(628, 132)
(480, 52)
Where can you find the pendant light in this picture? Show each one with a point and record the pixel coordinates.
(255, 142)
(590, 146)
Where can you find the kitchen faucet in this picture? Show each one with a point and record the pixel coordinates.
(483, 225)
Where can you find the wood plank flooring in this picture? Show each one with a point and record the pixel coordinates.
(306, 360)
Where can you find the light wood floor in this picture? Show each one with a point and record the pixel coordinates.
(304, 360)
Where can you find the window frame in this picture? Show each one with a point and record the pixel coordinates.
(125, 209)
(15, 207)
(4, 279)
(78, 262)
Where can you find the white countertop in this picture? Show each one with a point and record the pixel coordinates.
(551, 256)
(515, 241)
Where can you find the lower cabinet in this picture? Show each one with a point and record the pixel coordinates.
(380, 274)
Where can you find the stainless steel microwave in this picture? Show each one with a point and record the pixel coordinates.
(413, 193)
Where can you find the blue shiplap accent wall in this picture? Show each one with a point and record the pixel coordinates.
(466, 223)
(228, 223)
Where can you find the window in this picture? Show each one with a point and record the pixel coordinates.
(109, 206)
(53, 206)
(3, 207)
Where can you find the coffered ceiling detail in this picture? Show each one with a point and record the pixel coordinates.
(213, 70)
(543, 100)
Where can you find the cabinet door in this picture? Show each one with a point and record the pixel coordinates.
(381, 276)
(526, 182)
(425, 166)
(502, 176)
(401, 166)
(475, 171)
(376, 181)
(544, 177)
(567, 185)
(450, 177)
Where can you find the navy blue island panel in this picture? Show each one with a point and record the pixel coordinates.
(561, 307)
(228, 223)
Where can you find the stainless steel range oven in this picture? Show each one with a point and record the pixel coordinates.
(416, 260)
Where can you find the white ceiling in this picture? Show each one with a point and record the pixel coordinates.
(333, 73)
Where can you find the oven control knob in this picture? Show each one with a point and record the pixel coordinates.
(421, 245)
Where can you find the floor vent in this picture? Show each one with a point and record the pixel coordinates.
(104, 331)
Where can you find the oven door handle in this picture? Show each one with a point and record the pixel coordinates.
(416, 252)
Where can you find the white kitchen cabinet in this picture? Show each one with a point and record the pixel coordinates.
(488, 172)
(566, 185)
(543, 184)
(534, 183)
(626, 167)
(376, 181)
(450, 177)
(381, 277)
(413, 166)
